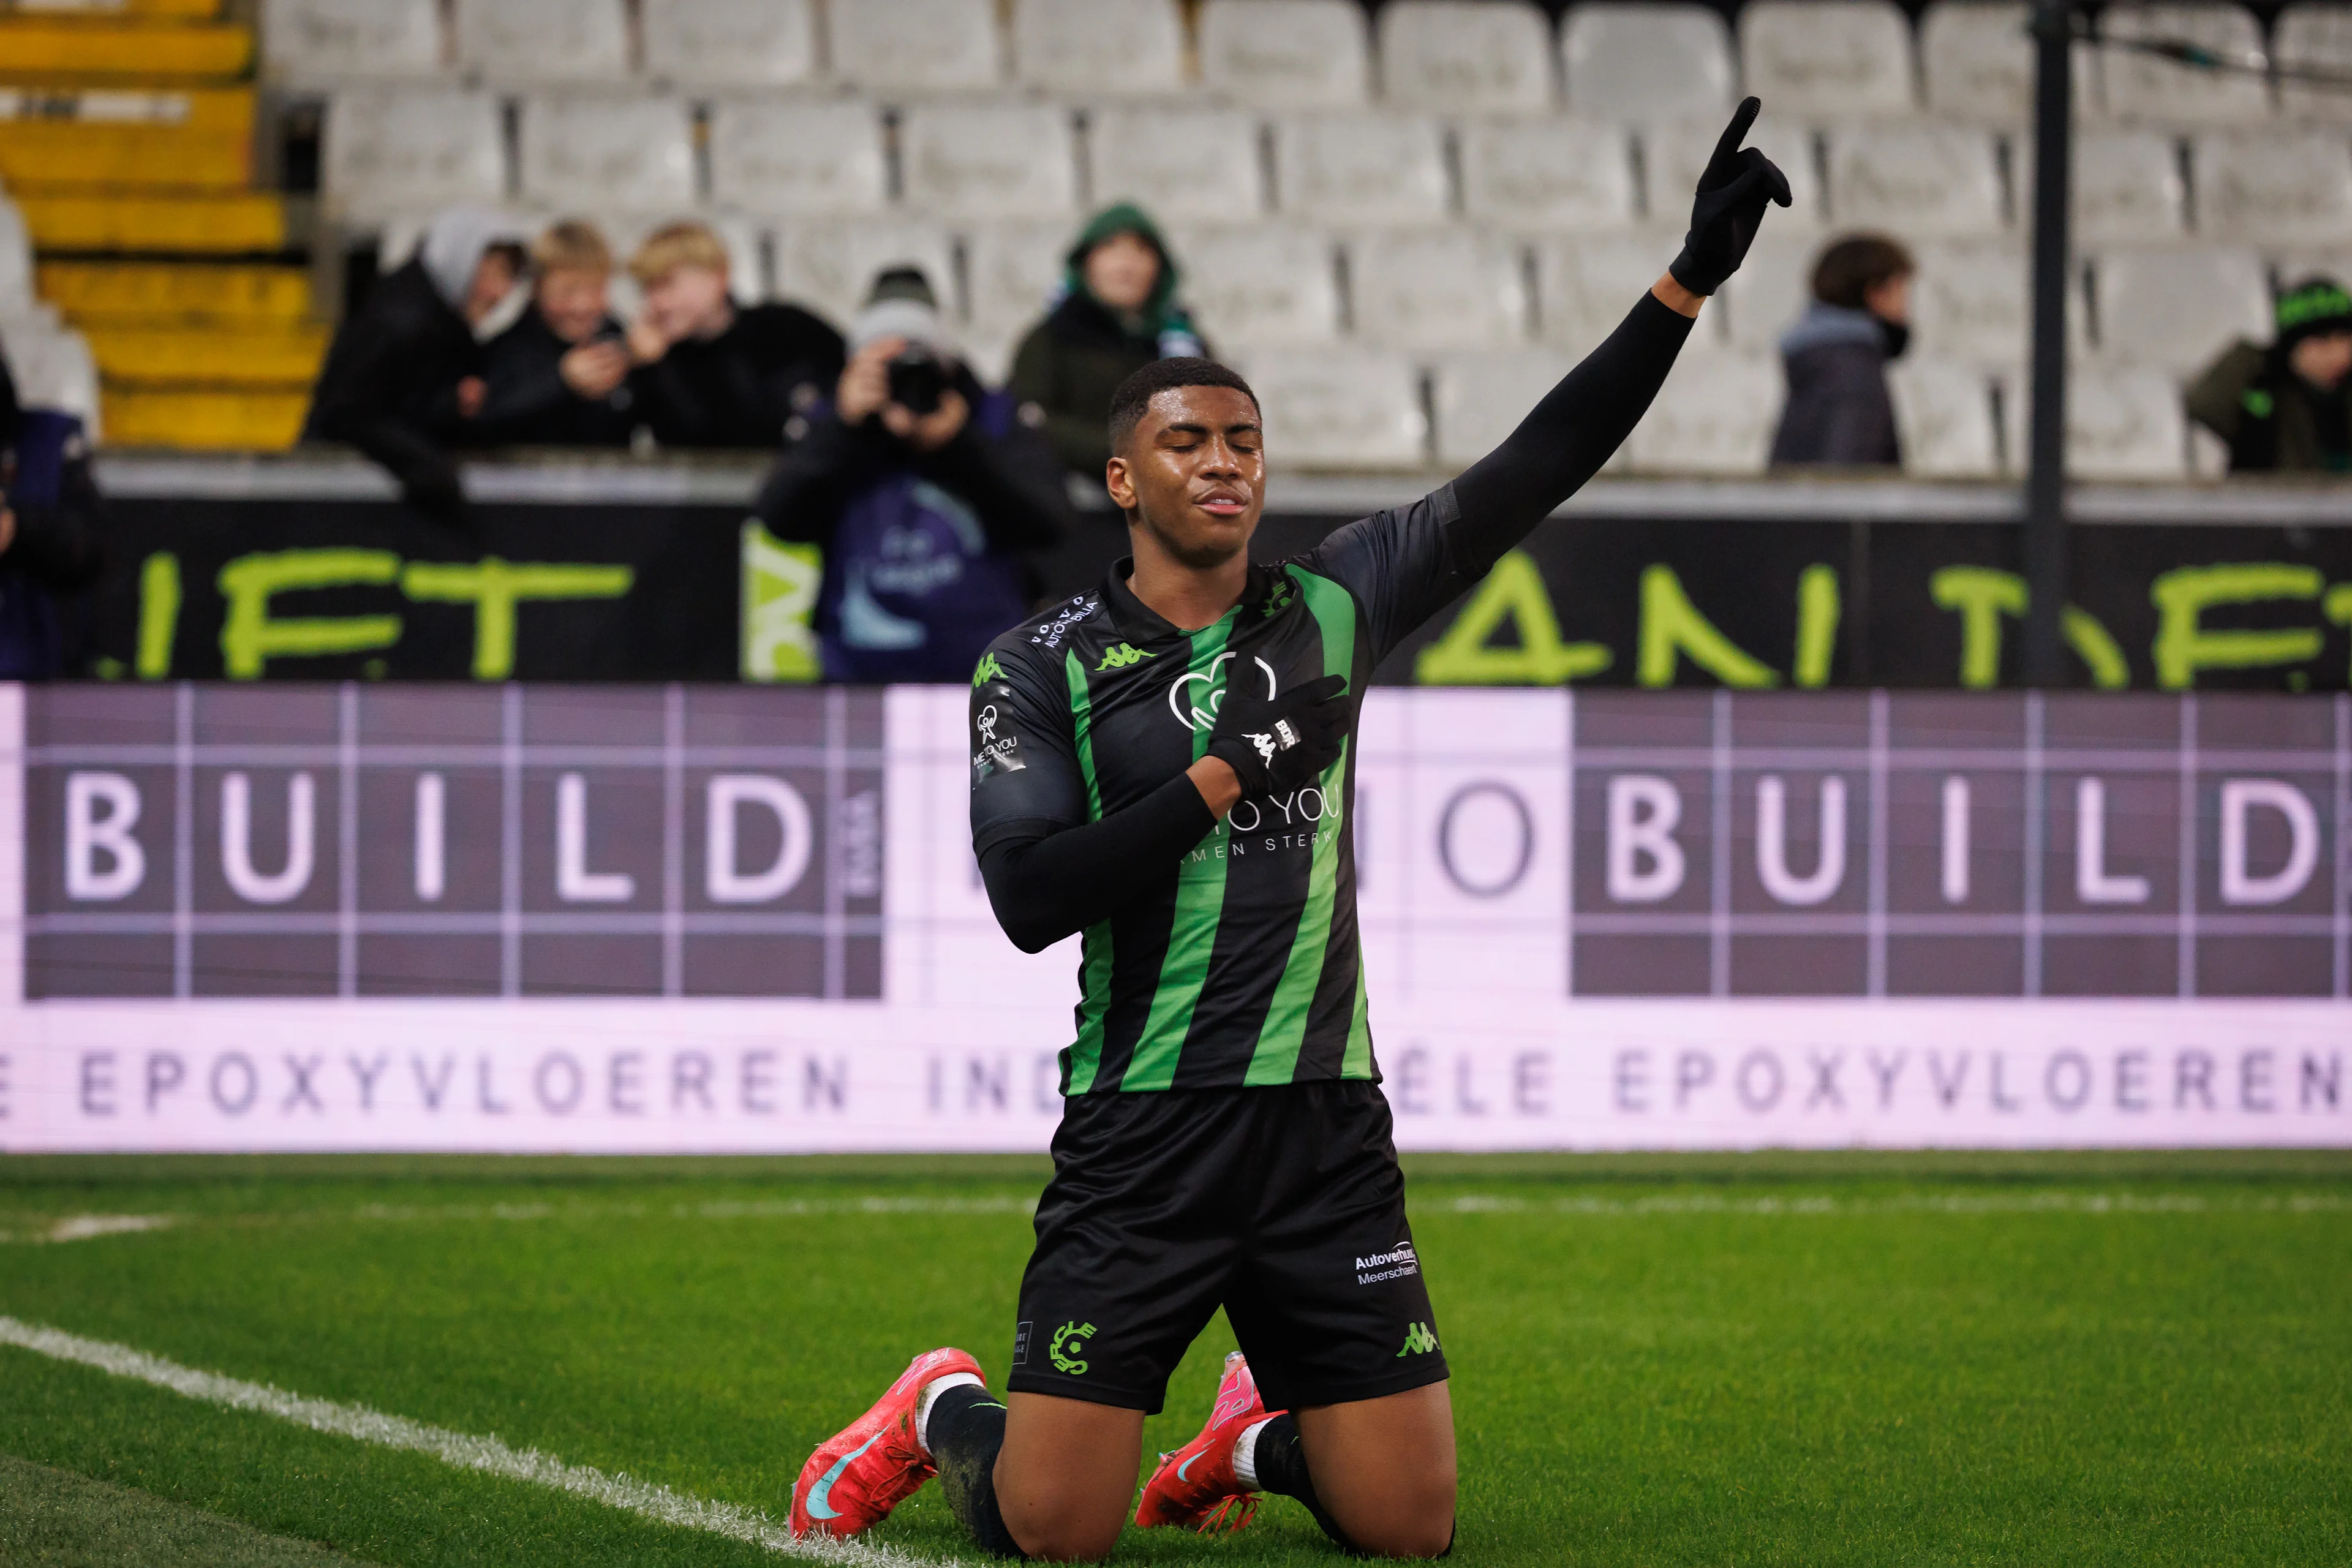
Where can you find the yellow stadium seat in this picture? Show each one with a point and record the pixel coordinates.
(145, 294)
(207, 421)
(274, 355)
(223, 223)
(48, 157)
(114, 48)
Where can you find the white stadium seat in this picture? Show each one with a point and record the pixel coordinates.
(2314, 37)
(1977, 61)
(828, 264)
(1846, 60)
(1285, 54)
(1480, 398)
(1715, 414)
(2126, 186)
(1766, 296)
(2142, 87)
(1465, 56)
(386, 151)
(1014, 270)
(776, 156)
(989, 159)
(1547, 173)
(1361, 168)
(922, 45)
(1437, 289)
(1918, 179)
(1674, 156)
(2273, 186)
(1098, 45)
(1622, 60)
(1944, 417)
(730, 43)
(2124, 424)
(1585, 285)
(543, 40)
(318, 43)
(2175, 308)
(1262, 284)
(607, 152)
(1971, 303)
(1339, 406)
(1183, 162)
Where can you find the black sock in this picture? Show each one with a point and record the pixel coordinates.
(1281, 1466)
(966, 1429)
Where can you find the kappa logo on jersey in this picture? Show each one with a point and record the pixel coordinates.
(1279, 600)
(1196, 696)
(1418, 1341)
(1123, 654)
(989, 670)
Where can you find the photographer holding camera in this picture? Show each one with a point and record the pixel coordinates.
(924, 489)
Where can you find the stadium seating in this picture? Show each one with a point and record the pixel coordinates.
(990, 159)
(387, 150)
(1623, 60)
(1340, 406)
(2123, 423)
(2317, 38)
(1970, 304)
(600, 153)
(314, 44)
(1480, 397)
(1012, 271)
(2127, 187)
(2141, 86)
(1285, 54)
(1264, 284)
(1674, 156)
(1465, 56)
(1184, 162)
(1944, 417)
(1584, 286)
(729, 43)
(532, 41)
(1437, 289)
(916, 45)
(1926, 181)
(1766, 296)
(2175, 308)
(2266, 186)
(828, 264)
(1094, 46)
(1568, 175)
(1361, 167)
(794, 156)
(1976, 61)
(1827, 59)
(1714, 416)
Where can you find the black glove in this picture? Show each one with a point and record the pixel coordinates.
(1729, 207)
(1276, 743)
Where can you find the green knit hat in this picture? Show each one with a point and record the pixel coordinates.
(1125, 217)
(2312, 306)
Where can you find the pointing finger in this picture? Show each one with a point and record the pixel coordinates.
(1736, 132)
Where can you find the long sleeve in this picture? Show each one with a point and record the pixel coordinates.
(1046, 883)
(803, 492)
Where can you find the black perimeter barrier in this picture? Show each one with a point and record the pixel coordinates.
(308, 568)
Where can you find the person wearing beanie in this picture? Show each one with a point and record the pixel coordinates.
(711, 373)
(925, 490)
(2285, 409)
(403, 379)
(1839, 412)
(1117, 313)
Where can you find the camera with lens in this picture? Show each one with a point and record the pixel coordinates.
(918, 379)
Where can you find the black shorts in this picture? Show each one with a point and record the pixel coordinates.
(1283, 1204)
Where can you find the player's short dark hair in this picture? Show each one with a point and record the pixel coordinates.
(1136, 392)
(1855, 264)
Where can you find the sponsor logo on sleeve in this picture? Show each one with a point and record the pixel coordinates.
(997, 754)
(1068, 1344)
(1021, 1343)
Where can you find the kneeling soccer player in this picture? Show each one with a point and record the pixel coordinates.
(1164, 765)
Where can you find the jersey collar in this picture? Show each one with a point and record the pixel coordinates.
(1142, 623)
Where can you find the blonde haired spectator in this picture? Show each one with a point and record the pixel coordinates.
(558, 376)
(711, 373)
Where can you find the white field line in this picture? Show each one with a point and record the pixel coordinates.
(83, 1227)
(461, 1449)
(1917, 1202)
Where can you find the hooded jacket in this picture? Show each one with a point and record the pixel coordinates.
(55, 552)
(1839, 411)
(1073, 361)
(2275, 421)
(389, 385)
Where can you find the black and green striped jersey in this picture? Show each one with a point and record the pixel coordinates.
(1241, 966)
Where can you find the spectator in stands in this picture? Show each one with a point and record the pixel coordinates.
(48, 545)
(403, 380)
(2284, 409)
(924, 490)
(1839, 412)
(710, 373)
(558, 376)
(1117, 313)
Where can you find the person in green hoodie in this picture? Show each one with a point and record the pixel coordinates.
(2286, 408)
(1117, 312)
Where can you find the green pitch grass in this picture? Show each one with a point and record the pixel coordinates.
(1791, 1360)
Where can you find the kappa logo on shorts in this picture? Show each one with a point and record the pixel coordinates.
(1021, 1343)
(1418, 1341)
(1069, 1340)
(1394, 1264)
